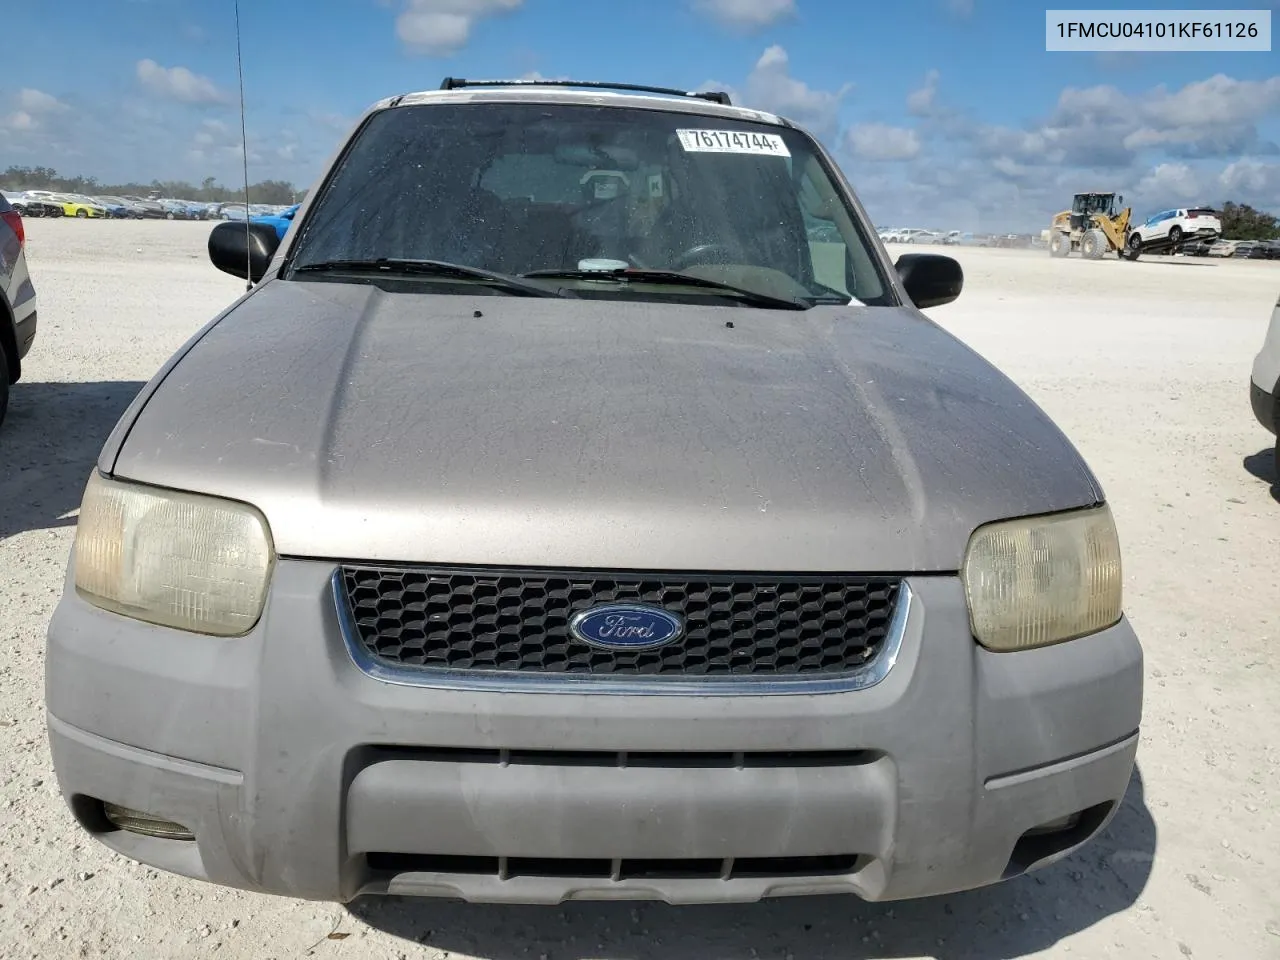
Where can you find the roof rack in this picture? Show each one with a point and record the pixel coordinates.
(715, 96)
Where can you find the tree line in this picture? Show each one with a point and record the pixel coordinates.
(209, 191)
(1241, 222)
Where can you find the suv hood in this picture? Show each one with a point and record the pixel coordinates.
(516, 431)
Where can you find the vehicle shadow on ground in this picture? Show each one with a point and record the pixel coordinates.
(49, 442)
(1014, 919)
(1263, 466)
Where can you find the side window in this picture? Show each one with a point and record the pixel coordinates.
(827, 249)
(842, 261)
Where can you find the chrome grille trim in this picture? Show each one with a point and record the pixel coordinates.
(865, 677)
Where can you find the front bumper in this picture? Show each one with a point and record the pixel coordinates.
(300, 774)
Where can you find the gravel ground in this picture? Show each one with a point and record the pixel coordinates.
(1144, 365)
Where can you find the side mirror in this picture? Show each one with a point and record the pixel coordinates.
(930, 278)
(243, 249)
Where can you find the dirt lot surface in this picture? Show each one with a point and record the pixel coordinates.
(1144, 365)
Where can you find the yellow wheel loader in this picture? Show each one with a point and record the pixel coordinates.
(1094, 227)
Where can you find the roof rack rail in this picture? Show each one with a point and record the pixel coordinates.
(715, 96)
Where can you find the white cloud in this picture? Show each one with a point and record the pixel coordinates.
(1104, 128)
(746, 14)
(920, 102)
(1011, 168)
(771, 87)
(34, 115)
(1218, 100)
(178, 83)
(1207, 141)
(217, 145)
(37, 101)
(1253, 181)
(141, 138)
(20, 120)
(882, 142)
(211, 132)
(443, 27)
(1168, 181)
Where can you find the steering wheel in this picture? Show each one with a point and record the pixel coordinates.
(704, 253)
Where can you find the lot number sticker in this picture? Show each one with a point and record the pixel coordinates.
(733, 141)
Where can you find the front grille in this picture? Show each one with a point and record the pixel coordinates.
(518, 622)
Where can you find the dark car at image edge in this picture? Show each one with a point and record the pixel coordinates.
(17, 301)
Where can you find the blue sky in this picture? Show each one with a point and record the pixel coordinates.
(943, 112)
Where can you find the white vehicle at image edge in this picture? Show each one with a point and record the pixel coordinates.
(1264, 384)
(1175, 226)
(905, 235)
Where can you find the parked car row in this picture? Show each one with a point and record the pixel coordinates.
(49, 203)
(1237, 249)
(46, 203)
(911, 235)
(1196, 232)
(965, 238)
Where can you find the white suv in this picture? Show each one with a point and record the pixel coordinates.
(1175, 226)
(913, 235)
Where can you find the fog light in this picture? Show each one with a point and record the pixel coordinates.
(1054, 826)
(136, 821)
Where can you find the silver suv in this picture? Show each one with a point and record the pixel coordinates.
(17, 301)
(579, 505)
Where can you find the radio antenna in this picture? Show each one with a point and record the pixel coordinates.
(244, 154)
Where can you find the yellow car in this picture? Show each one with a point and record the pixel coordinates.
(77, 206)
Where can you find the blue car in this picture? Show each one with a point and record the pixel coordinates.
(116, 208)
(281, 221)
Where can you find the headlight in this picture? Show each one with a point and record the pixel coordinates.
(1040, 580)
(179, 559)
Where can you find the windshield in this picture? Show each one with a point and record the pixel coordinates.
(517, 188)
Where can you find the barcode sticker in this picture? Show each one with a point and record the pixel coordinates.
(733, 141)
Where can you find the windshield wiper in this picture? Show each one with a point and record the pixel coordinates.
(432, 268)
(632, 275)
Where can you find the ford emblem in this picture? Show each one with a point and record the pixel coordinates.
(626, 626)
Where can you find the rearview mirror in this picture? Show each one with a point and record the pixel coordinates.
(243, 249)
(930, 279)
